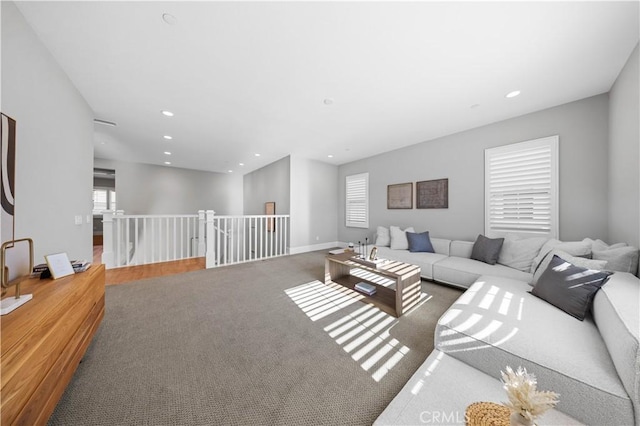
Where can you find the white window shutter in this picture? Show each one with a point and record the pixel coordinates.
(357, 200)
(521, 189)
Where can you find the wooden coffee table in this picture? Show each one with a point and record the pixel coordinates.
(338, 268)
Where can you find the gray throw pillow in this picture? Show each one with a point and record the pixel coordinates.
(569, 287)
(486, 249)
(623, 259)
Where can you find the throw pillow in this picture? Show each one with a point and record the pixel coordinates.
(599, 245)
(582, 262)
(569, 287)
(574, 248)
(420, 242)
(486, 249)
(623, 259)
(518, 253)
(399, 238)
(383, 238)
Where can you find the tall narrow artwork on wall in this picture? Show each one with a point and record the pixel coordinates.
(400, 196)
(432, 194)
(7, 173)
(270, 210)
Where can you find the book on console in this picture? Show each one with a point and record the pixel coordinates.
(365, 288)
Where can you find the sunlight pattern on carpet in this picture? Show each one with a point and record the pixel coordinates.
(363, 333)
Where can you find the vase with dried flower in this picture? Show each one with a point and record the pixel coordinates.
(525, 401)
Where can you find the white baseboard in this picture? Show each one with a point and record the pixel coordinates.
(314, 247)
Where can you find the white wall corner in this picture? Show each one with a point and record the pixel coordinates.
(315, 247)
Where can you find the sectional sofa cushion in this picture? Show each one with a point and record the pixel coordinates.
(399, 238)
(616, 311)
(519, 253)
(569, 287)
(486, 249)
(498, 323)
(461, 249)
(460, 271)
(622, 259)
(383, 238)
(419, 242)
(442, 388)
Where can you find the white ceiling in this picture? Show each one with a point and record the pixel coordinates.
(251, 77)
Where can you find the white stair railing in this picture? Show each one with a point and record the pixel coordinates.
(237, 239)
(130, 240)
(141, 239)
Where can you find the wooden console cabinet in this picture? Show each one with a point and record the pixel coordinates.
(43, 341)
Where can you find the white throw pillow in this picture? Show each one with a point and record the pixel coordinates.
(383, 238)
(582, 262)
(599, 245)
(399, 238)
(518, 253)
(574, 248)
(623, 259)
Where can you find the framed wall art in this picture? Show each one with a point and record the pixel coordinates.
(270, 210)
(400, 196)
(432, 194)
(7, 172)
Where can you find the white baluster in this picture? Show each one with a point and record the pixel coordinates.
(107, 239)
(211, 253)
(201, 241)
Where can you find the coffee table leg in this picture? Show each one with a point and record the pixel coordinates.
(408, 289)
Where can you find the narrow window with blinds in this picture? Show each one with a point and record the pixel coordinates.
(357, 201)
(521, 189)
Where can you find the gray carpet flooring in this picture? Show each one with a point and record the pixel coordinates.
(252, 344)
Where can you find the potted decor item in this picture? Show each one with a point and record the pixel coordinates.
(525, 401)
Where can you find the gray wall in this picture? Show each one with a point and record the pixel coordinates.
(269, 183)
(54, 143)
(151, 189)
(624, 155)
(314, 204)
(583, 130)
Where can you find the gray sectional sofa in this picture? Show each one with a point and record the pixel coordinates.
(593, 364)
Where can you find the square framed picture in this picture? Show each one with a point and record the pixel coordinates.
(432, 194)
(400, 196)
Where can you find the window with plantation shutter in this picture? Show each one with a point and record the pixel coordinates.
(357, 202)
(521, 189)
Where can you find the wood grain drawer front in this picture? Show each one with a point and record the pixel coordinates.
(43, 342)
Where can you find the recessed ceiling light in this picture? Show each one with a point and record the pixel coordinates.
(257, 155)
(167, 153)
(512, 94)
(167, 113)
(167, 137)
(167, 162)
(169, 18)
(230, 171)
(240, 164)
(328, 101)
(330, 156)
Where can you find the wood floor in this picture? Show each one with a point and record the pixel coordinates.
(133, 273)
